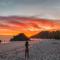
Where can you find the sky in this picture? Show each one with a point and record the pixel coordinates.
(49, 9)
(11, 26)
(29, 26)
(38, 8)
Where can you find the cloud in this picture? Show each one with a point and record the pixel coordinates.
(30, 8)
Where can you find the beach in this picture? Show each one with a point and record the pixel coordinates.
(38, 50)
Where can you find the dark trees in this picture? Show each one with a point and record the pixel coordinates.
(0, 41)
(19, 37)
(48, 35)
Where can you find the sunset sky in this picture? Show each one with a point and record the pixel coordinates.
(45, 13)
(30, 26)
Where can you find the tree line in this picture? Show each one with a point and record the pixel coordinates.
(48, 35)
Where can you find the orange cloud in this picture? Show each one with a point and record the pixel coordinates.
(28, 26)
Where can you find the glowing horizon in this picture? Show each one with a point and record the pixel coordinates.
(28, 26)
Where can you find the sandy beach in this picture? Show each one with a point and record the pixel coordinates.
(39, 50)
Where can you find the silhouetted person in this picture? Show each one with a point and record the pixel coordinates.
(26, 50)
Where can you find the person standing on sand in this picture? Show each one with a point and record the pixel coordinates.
(26, 49)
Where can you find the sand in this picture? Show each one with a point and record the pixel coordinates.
(39, 50)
